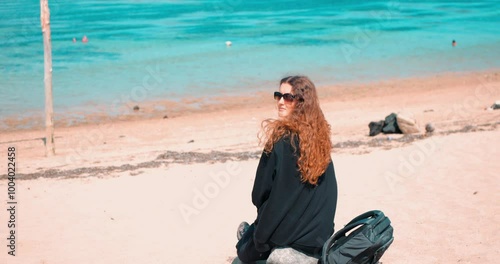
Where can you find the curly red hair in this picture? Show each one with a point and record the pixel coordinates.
(307, 122)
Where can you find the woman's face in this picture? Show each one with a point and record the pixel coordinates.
(284, 107)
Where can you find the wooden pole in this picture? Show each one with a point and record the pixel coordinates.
(47, 50)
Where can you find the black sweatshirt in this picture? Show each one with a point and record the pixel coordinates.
(289, 212)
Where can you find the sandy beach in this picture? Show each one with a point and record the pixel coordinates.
(147, 189)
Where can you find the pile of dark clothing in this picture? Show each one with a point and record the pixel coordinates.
(387, 126)
(496, 105)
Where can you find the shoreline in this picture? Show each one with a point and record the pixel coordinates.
(189, 105)
(451, 102)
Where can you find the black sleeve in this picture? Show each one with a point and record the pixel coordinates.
(277, 187)
(264, 179)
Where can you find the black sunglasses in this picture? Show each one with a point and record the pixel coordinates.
(288, 97)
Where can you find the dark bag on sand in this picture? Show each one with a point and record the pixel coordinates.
(391, 125)
(370, 236)
(375, 128)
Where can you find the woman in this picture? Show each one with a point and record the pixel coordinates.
(295, 190)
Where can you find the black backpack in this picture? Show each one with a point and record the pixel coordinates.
(370, 236)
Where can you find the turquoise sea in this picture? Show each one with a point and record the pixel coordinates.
(140, 50)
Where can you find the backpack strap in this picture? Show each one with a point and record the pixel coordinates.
(360, 220)
(366, 216)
